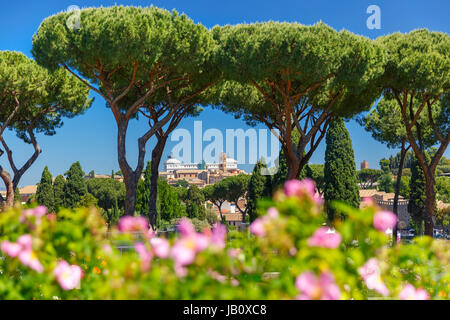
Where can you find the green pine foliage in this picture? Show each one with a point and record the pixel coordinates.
(44, 192)
(257, 189)
(75, 187)
(341, 182)
(170, 205)
(417, 196)
(58, 192)
(195, 203)
(17, 197)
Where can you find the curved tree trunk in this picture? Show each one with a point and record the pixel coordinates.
(6, 177)
(130, 177)
(156, 159)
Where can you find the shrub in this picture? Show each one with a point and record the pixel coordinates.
(71, 257)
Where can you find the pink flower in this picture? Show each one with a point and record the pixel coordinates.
(257, 228)
(273, 213)
(68, 276)
(183, 252)
(133, 224)
(185, 227)
(145, 255)
(315, 288)
(40, 211)
(218, 236)
(384, 220)
(368, 201)
(371, 275)
(23, 250)
(12, 249)
(161, 247)
(324, 237)
(410, 293)
(25, 241)
(297, 188)
(32, 216)
(29, 258)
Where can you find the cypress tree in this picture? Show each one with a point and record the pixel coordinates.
(17, 197)
(341, 182)
(75, 187)
(44, 192)
(194, 203)
(58, 192)
(417, 195)
(257, 189)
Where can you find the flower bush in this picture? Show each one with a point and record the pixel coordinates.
(289, 252)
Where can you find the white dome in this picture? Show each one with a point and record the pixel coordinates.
(172, 161)
(230, 160)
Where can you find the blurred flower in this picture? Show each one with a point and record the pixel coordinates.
(145, 255)
(161, 247)
(185, 227)
(133, 224)
(368, 201)
(97, 270)
(67, 275)
(25, 241)
(317, 288)
(384, 220)
(23, 250)
(29, 258)
(218, 235)
(32, 216)
(411, 293)
(325, 237)
(12, 249)
(371, 275)
(273, 213)
(257, 228)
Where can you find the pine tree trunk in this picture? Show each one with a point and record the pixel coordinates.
(6, 177)
(397, 188)
(429, 204)
(156, 159)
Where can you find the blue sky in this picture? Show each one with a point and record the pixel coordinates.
(91, 138)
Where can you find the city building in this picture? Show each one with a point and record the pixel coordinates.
(364, 165)
(175, 170)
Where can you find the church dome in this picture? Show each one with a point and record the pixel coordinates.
(172, 160)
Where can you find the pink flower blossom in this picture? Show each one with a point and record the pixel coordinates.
(297, 188)
(29, 258)
(40, 211)
(23, 250)
(25, 241)
(384, 220)
(272, 213)
(68, 276)
(145, 255)
(185, 227)
(218, 235)
(368, 201)
(257, 228)
(371, 275)
(324, 237)
(411, 293)
(133, 224)
(32, 216)
(161, 247)
(183, 252)
(317, 288)
(12, 249)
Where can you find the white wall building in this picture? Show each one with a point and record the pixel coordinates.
(172, 164)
